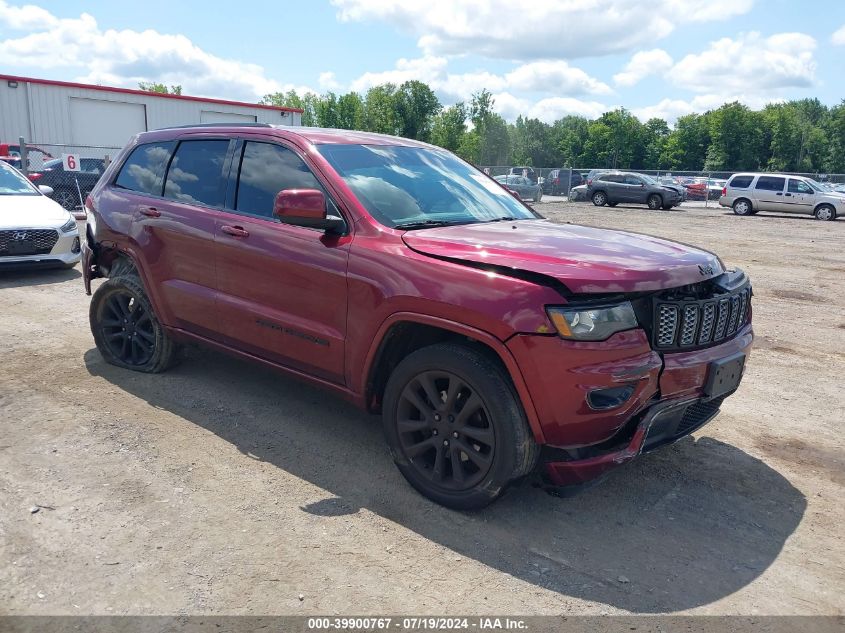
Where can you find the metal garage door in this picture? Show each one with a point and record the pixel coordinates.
(106, 123)
(209, 116)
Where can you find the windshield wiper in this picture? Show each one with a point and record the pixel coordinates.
(422, 224)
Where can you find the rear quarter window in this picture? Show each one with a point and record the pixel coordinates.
(143, 171)
(770, 183)
(741, 182)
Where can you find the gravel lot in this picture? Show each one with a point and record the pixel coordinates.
(221, 487)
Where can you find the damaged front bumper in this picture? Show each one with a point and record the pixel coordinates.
(662, 423)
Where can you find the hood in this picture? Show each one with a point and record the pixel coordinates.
(32, 212)
(584, 259)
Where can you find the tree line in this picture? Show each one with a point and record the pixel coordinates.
(801, 135)
(797, 136)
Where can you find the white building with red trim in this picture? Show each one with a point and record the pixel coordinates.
(49, 112)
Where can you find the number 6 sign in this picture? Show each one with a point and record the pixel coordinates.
(71, 162)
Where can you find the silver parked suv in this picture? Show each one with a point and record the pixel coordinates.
(747, 194)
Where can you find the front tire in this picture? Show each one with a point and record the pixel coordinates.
(455, 427)
(126, 329)
(742, 207)
(599, 198)
(825, 212)
(654, 202)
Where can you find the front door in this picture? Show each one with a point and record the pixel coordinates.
(282, 288)
(799, 197)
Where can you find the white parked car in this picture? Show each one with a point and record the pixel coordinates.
(34, 230)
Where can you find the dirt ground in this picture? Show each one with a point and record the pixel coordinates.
(222, 487)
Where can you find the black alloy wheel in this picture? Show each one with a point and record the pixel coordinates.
(445, 430)
(127, 329)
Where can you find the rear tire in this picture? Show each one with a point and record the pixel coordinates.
(455, 427)
(654, 202)
(742, 207)
(825, 212)
(126, 329)
(599, 198)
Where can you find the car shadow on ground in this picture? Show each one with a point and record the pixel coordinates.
(676, 529)
(18, 277)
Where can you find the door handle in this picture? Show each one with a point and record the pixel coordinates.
(150, 212)
(236, 231)
(789, 195)
(779, 193)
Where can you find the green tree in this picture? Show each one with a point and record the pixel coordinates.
(350, 111)
(379, 110)
(415, 105)
(152, 86)
(450, 127)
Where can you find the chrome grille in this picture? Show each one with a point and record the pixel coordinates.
(734, 314)
(708, 319)
(667, 325)
(722, 322)
(40, 241)
(689, 323)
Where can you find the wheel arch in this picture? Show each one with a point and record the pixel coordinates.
(825, 204)
(403, 333)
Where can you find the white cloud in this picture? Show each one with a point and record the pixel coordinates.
(537, 29)
(123, 58)
(26, 17)
(838, 38)
(643, 64)
(328, 81)
(671, 109)
(554, 77)
(749, 63)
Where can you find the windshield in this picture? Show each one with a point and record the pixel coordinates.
(13, 183)
(815, 185)
(417, 186)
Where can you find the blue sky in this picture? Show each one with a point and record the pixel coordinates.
(543, 58)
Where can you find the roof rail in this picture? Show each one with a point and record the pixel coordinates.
(179, 127)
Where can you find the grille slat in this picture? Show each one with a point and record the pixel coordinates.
(685, 324)
(42, 240)
(690, 326)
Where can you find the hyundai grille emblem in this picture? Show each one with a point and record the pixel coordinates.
(19, 235)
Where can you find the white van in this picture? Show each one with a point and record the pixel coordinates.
(747, 194)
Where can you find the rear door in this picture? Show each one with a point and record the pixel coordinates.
(768, 192)
(175, 231)
(282, 288)
(799, 197)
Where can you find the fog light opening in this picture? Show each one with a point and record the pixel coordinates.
(610, 398)
(75, 246)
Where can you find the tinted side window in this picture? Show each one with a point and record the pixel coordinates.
(770, 183)
(196, 173)
(798, 186)
(144, 169)
(741, 181)
(267, 169)
(632, 180)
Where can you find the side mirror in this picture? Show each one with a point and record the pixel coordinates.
(47, 191)
(305, 207)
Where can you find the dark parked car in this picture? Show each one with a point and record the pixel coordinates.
(612, 188)
(523, 187)
(64, 183)
(555, 183)
(528, 171)
(495, 344)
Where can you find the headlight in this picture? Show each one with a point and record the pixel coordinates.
(69, 225)
(593, 324)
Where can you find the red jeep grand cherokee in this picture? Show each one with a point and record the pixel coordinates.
(494, 343)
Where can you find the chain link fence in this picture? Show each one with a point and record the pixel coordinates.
(71, 171)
